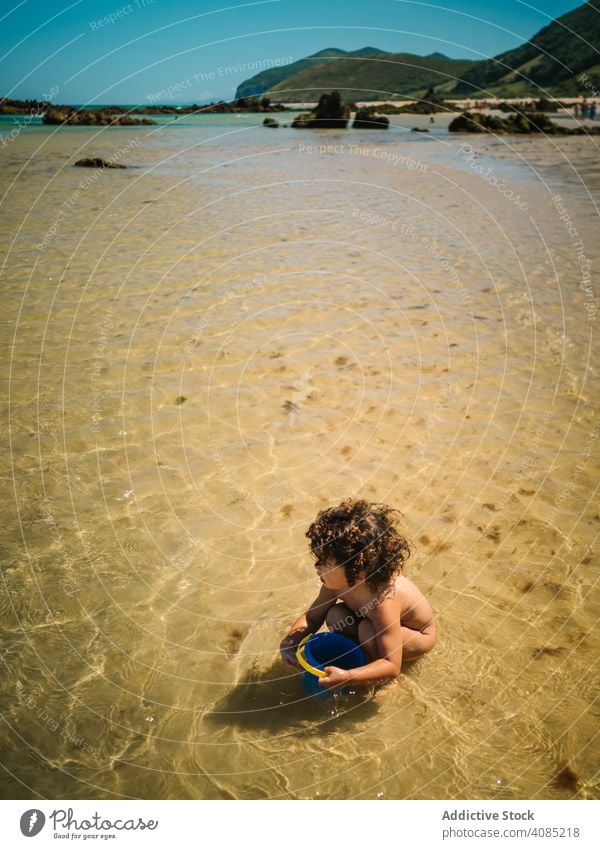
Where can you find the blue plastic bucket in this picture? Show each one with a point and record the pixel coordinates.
(326, 649)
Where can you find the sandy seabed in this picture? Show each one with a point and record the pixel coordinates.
(203, 351)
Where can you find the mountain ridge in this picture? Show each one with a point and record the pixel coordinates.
(258, 84)
(395, 75)
(551, 62)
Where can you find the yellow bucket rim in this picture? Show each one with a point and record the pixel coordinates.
(320, 673)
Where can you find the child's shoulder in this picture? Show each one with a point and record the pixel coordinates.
(401, 592)
(407, 588)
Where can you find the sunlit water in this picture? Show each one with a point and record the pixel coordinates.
(204, 350)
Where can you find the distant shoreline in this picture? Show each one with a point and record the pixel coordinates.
(21, 107)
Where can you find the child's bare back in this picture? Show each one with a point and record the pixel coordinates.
(371, 613)
(405, 598)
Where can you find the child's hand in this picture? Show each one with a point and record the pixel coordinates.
(335, 677)
(287, 650)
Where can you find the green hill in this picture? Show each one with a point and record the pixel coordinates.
(550, 62)
(377, 77)
(265, 80)
(552, 59)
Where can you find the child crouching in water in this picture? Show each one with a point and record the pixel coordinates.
(359, 555)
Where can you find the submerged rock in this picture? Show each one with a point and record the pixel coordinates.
(541, 105)
(270, 122)
(429, 104)
(32, 108)
(303, 120)
(535, 122)
(367, 119)
(92, 117)
(331, 113)
(96, 162)
(242, 104)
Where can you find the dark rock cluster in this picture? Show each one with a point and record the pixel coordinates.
(515, 124)
(367, 119)
(94, 117)
(331, 113)
(96, 162)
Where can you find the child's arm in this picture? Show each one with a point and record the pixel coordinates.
(388, 637)
(308, 623)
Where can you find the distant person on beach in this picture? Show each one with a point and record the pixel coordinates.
(359, 555)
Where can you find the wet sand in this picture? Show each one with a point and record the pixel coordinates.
(206, 349)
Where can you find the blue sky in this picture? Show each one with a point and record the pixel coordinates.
(109, 51)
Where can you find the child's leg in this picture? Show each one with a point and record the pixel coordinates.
(342, 620)
(414, 643)
(417, 643)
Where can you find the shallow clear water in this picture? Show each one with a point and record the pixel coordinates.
(377, 320)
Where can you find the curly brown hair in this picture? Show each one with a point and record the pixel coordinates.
(362, 538)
